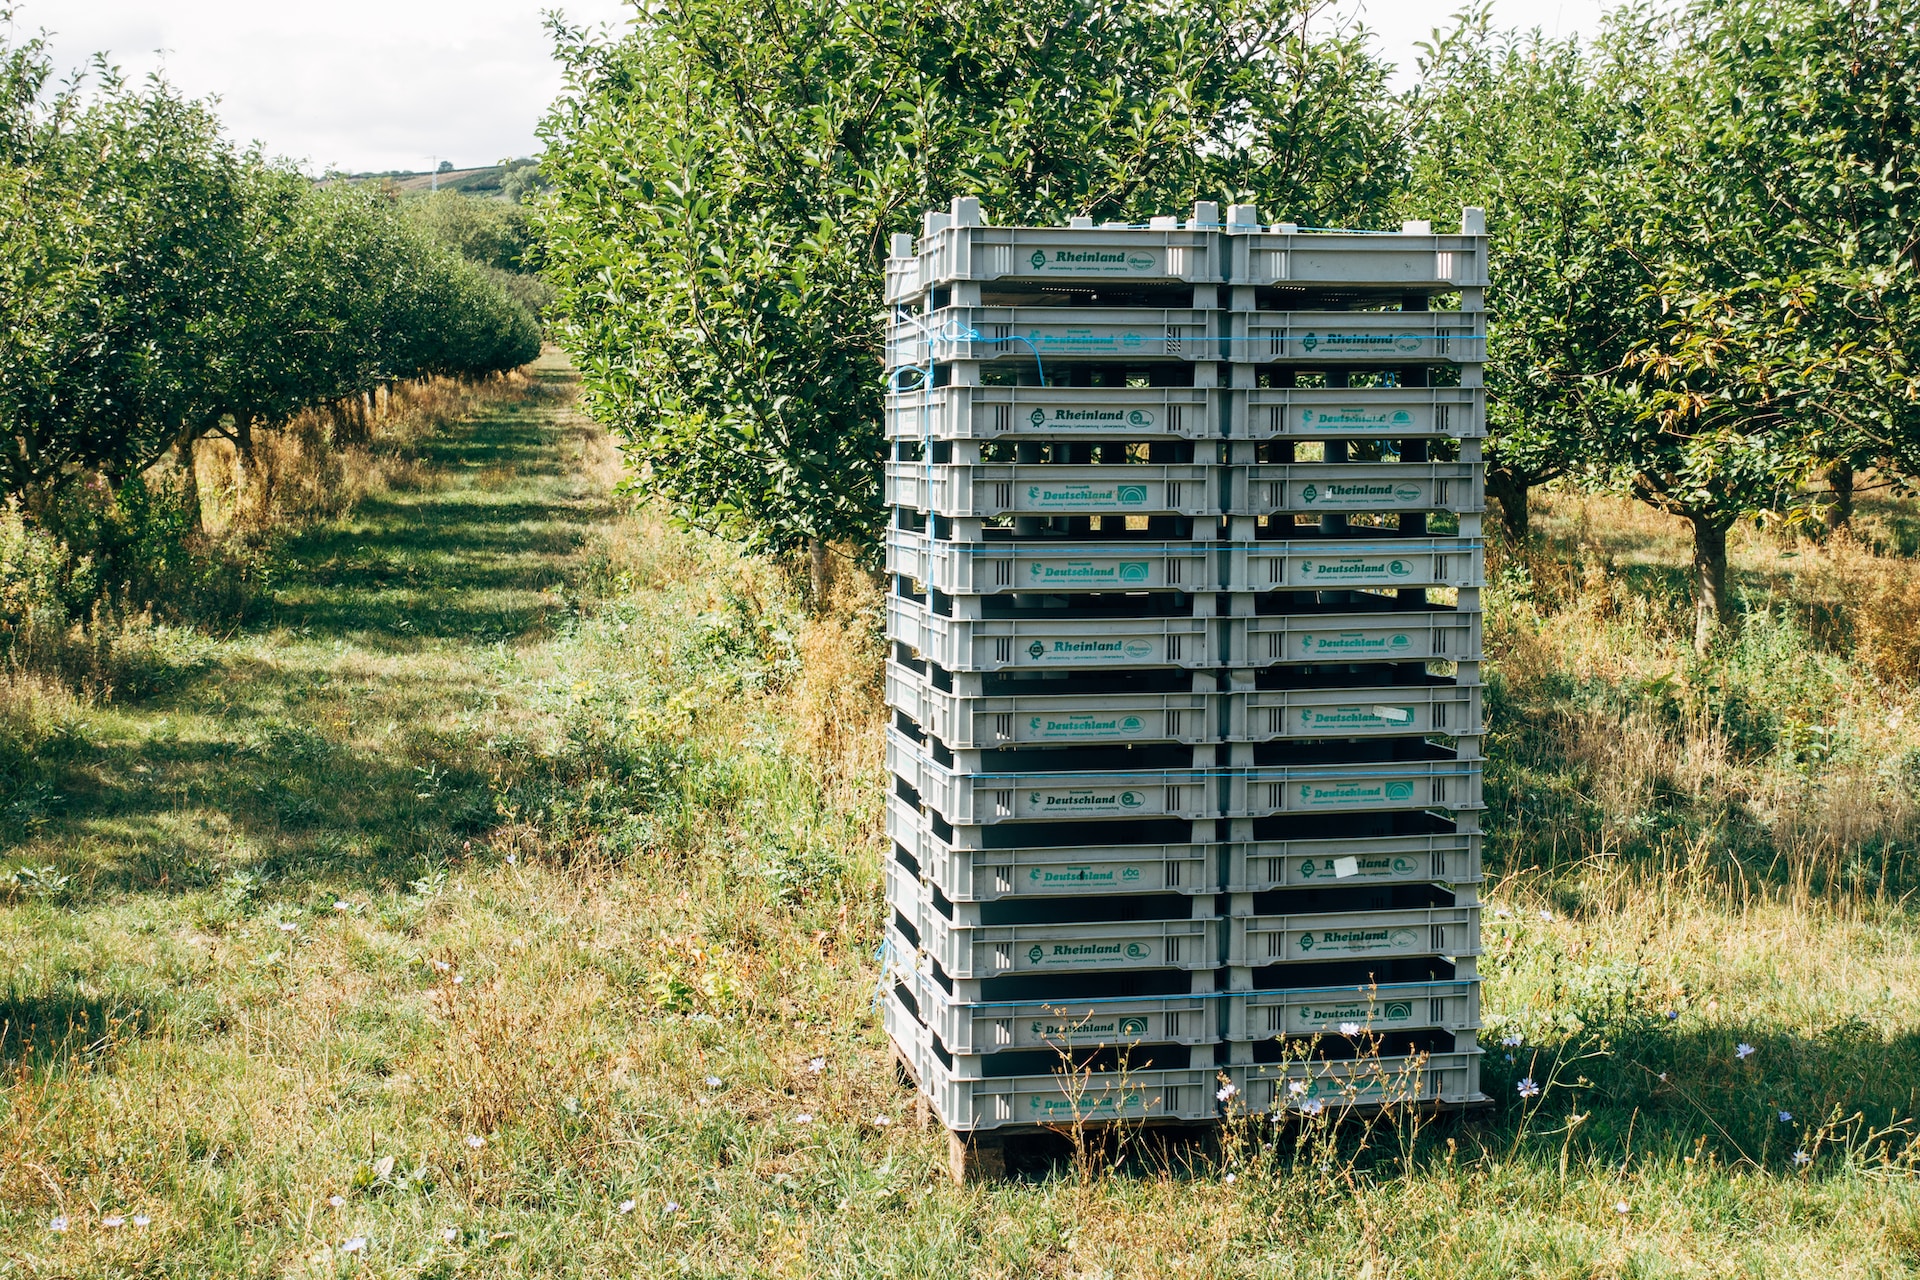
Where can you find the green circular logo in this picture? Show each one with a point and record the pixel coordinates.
(1035, 955)
(1038, 259)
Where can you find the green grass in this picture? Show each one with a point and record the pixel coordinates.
(523, 816)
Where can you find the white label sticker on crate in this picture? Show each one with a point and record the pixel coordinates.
(1343, 495)
(1085, 497)
(1087, 800)
(1104, 262)
(1084, 725)
(1355, 941)
(1089, 572)
(1067, 652)
(1336, 795)
(1356, 642)
(1341, 868)
(1050, 954)
(1365, 717)
(1366, 569)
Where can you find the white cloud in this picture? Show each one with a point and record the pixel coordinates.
(390, 84)
(364, 84)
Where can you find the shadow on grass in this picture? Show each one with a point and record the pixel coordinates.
(1645, 1097)
(259, 760)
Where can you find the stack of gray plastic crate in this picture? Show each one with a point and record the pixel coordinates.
(1184, 675)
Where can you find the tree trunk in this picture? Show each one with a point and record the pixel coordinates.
(189, 478)
(1511, 493)
(1840, 484)
(819, 572)
(1711, 605)
(242, 454)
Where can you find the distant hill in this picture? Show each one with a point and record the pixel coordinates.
(498, 181)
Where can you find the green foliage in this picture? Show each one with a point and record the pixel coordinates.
(1776, 177)
(156, 285)
(1530, 130)
(493, 233)
(727, 177)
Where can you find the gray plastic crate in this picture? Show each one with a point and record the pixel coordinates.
(1265, 1088)
(1451, 858)
(984, 490)
(1341, 935)
(967, 1101)
(1038, 335)
(1261, 791)
(1417, 262)
(1448, 1005)
(1333, 564)
(965, 870)
(963, 412)
(997, 720)
(1316, 488)
(1387, 636)
(967, 950)
(981, 799)
(1076, 565)
(1031, 718)
(1319, 413)
(947, 253)
(1038, 565)
(1047, 1024)
(1065, 642)
(1358, 337)
(1056, 642)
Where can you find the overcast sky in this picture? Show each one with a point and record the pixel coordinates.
(392, 84)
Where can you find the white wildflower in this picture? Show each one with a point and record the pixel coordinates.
(1312, 1107)
(340, 904)
(113, 1220)
(1743, 1051)
(1623, 1208)
(1349, 1028)
(1225, 1091)
(1786, 1117)
(1513, 1041)
(1802, 1158)
(513, 860)
(459, 978)
(713, 1082)
(1528, 1089)
(882, 1122)
(59, 1224)
(816, 1065)
(355, 1245)
(336, 1201)
(475, 1141)
(1547, 916)
(671, 1206)
(1230, 1179)
(626, 1206)
(449, 1234)
(141, 1219)
(805, 1117)
(288, 926)
(1296, 1087)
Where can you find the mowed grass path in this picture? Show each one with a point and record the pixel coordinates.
(505, 905)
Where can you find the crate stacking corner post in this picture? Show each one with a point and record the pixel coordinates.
(1184, 562)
